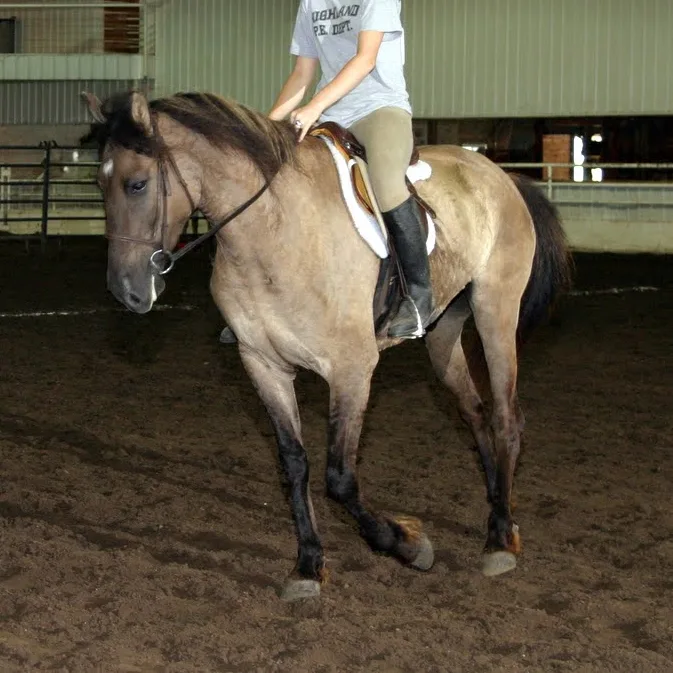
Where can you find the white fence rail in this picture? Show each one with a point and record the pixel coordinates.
(624, 200)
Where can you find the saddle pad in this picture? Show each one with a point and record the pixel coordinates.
(366, 224)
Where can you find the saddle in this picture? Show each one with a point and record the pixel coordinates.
(351, 148)
(390, 286)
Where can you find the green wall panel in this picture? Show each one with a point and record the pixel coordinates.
(516, 58)
(465, 58)
(238, 48)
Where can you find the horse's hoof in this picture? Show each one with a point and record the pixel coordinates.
(425, 558)
(497, 563)
(297, 590)
(227, 336)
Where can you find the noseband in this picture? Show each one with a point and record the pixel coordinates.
(162, 259)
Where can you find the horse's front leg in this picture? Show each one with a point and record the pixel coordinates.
(275, 386)
(400, 537)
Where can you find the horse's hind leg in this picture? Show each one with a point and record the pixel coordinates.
(400, 537)
(448, 360)
(495, 305)
(275, 386)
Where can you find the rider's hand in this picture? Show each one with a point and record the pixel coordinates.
(304, 118)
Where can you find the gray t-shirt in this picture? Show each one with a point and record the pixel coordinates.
(328, 30)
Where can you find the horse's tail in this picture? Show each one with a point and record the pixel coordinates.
(552, 270)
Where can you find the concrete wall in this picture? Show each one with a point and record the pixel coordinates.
(620, 236)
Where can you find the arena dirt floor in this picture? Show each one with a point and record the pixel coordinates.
(145, 527)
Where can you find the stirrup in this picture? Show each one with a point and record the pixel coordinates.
(413, 331)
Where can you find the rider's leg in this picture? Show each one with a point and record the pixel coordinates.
(388, 139)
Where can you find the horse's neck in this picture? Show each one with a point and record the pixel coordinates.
(300, 217)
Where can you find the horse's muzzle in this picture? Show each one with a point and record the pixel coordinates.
(136, 294)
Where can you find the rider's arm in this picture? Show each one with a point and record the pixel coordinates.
(364, 61)
(294, 89)
(380, 21)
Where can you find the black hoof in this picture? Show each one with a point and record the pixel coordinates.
(227, 336)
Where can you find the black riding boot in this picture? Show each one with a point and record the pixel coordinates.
(408, 238)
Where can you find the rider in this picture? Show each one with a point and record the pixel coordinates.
(359, 46)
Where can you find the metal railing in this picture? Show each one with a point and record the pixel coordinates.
(44, 183)
(634, 192)
(48, 190)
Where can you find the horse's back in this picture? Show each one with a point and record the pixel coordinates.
(465, 172)
(480, 216)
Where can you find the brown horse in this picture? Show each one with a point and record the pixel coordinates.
(296, 283)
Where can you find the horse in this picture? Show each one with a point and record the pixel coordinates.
(296, 283)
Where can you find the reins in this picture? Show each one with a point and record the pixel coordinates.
(162, 259)
(167, 255)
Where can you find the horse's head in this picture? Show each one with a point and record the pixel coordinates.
(146, 199)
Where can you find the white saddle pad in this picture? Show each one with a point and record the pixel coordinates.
(366, 224)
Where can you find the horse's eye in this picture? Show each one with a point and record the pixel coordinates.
(136, 186)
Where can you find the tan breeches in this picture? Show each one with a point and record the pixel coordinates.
(388, 139)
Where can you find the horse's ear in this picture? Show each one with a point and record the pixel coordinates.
(94, 104)
(140, 112)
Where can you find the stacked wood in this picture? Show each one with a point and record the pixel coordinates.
(121, 31)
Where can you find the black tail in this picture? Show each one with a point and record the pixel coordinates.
(552, 270)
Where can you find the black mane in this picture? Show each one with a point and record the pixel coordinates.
(226, 124)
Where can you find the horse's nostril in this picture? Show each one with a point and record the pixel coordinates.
(134, 298)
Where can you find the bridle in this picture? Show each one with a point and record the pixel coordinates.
(162, 259)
